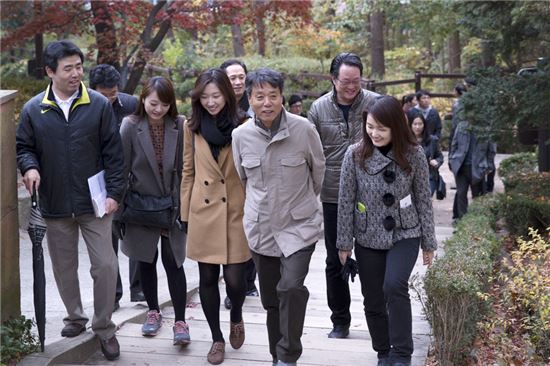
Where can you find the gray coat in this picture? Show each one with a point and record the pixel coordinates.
(282, 177)
(483, 154)
(337, 135)
(141, 242)
(411, 208)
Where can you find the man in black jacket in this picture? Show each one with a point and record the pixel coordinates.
(106, 79)
(67, 134)
(431, 115)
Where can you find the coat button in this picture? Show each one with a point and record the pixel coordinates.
(223, 181)
(205, 183)
(223, 199)
(207, 201)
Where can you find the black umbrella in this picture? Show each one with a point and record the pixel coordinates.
(37, 230)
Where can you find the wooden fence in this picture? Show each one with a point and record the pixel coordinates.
(302, 77)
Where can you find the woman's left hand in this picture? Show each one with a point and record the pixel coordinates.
(343, 255)
(434, 163)
(427, 257)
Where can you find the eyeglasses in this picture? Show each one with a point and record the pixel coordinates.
(349, 82)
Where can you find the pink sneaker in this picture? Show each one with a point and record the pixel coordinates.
(181, 333)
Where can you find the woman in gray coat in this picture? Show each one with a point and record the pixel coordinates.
(385, 211)
(152, 143)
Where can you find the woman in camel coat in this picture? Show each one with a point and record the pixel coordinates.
(212, 201)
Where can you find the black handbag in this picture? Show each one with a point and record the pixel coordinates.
(441, 188)
(146, 210)
(160, 212)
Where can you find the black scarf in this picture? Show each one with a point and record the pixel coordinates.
(216, 131)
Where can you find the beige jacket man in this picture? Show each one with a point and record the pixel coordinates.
(283, 177)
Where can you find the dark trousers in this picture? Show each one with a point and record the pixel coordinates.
(384, 276)
(489, 182)
(135, 285)
(177, 283)
(464, 181)
(250, 273)
(284, 297)
(338, 295)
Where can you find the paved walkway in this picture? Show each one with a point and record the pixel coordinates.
(137, 350)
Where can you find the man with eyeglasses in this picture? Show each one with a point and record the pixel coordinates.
(337, 116)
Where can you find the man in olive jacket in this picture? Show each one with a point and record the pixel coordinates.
(67, 134)
(337, 116)
(279, 159)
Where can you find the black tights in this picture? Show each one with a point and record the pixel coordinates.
(177, 283)
(234, 275)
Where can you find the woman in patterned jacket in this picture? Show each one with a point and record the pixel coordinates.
(385, 212)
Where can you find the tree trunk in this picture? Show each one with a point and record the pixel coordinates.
(487, 53)
(377, 44)
(238, 48)
(150, 45)
(39, 71)
(260, 25)
(454, 52)
(107, 50)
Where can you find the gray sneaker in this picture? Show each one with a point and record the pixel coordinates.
(152, 324)
(181, 333)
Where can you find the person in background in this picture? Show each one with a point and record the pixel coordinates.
(236, 72)
(337, 118)
(67, 134)
(295, 105)
(212, 205)
(385, 214)
(280, 161)
(152, 142)
(429, 143)
(470, 160)
(105, 79)
(431, 115)
(456, 110)
(408, 102)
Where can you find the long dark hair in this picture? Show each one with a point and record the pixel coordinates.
(165, 92)
(387, 111)
(411, 116)
(231, 108)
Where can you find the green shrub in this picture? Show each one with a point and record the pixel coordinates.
(454, 283)
(26, 87)
(524, 211)
(17, 340)
(518, 163)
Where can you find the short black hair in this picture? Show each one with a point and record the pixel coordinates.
(57, 50)
(105, 76)
(460, 89)
(345, 58)
(232, 62)
(262, 76)
(421, 93)
(294, 98)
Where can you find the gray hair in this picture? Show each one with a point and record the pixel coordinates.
(263, 76)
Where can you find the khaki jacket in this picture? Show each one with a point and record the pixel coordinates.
(283, 176)
(337, 134)
(212, 200)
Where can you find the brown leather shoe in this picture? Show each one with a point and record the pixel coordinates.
(216, 353)
(110, 348)
(236, 334)
(72, 330)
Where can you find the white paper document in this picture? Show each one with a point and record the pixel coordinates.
(98, 193)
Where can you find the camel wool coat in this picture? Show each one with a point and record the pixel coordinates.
(212, 202)
(140, 165)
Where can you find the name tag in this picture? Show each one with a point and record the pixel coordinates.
(405, 202)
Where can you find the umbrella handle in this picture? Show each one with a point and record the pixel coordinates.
(34, 196)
